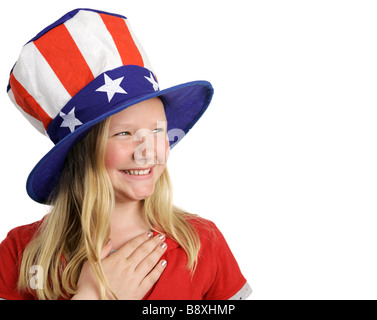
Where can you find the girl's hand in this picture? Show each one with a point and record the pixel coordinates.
(131, 271)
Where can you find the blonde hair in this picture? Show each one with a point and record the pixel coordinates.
(78, 225)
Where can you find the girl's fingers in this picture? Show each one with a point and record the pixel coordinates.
(137, 263)
(149, 262)
(153, 276)
(146, 249)
(128, 248)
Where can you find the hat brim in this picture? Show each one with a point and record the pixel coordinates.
(184, 104)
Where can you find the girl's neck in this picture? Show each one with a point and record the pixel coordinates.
(127, 222)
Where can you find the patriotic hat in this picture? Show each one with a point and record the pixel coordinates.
(82, 69)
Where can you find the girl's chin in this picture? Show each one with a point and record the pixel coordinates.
(135, 195)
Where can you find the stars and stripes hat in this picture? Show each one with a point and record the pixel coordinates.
(80, 70)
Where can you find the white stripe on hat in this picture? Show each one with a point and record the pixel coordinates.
(36, 123)
(147, 64)
(94, 41)
(34, 73)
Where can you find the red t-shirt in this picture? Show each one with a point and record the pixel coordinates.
(217, 276)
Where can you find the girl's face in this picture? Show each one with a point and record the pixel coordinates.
(137, 150)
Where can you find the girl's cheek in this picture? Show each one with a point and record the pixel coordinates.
(111, 156)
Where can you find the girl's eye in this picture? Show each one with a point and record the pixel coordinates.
(158, 130)
(124, 133)
(127, 133)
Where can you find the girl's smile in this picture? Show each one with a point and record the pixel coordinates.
(139, 173)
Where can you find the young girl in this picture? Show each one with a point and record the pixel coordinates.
(113, 232)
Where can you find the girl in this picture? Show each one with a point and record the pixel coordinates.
(113, 232)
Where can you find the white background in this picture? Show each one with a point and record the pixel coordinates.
(284, 161)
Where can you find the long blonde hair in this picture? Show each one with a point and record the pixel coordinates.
(78, 225)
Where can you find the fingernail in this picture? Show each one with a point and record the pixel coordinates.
(150, 234)
(163, 245)
(164, 263)
(108, 242)
(162, 237)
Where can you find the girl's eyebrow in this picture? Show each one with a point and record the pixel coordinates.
(131, 126)
(122, 125)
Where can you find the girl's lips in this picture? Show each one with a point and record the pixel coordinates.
(130, 173)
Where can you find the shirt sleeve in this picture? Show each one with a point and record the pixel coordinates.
(228, 278)
(243, 294)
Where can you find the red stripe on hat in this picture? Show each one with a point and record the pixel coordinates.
(64, 57)
(123, 40)
(28, 103)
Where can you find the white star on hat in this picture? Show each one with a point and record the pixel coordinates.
(111, 87)
(69, 120)
(152, 81)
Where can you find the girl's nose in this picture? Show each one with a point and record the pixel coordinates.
(144, 152)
